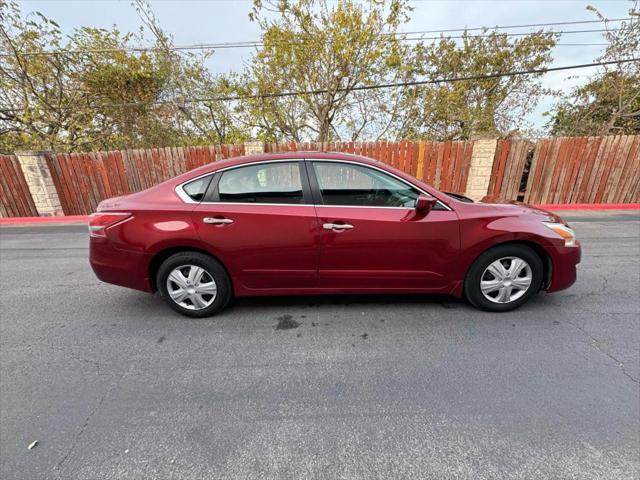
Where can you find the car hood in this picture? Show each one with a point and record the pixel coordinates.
(512, 207)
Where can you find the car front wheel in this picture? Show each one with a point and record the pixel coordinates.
(504, 277)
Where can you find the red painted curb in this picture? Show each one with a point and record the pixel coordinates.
(77, 219)
(592, 206)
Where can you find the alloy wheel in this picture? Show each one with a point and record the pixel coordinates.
(191, 287)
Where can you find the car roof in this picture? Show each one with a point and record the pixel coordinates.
(262, 157)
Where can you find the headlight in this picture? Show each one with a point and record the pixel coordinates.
(565, 232)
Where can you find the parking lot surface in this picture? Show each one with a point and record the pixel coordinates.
(113, 384)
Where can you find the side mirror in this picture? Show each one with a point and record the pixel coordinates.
(425, 204)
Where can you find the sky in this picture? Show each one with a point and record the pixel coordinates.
(218, 21)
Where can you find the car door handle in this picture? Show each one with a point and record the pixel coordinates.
(217, 221)
(337, 227)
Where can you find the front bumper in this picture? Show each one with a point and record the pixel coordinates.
(564, 262)
(119, 267)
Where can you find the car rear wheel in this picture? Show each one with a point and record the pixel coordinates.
(504, 277)
(194, 284)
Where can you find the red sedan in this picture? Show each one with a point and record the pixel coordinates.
(324, 223)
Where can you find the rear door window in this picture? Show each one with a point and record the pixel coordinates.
(278, 182)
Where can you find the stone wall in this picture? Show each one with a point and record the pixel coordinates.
(43, 191)
(480, 170)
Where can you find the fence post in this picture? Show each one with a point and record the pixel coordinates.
(40, 183)
(480, 170)
(251, 148)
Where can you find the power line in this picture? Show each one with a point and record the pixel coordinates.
(253, 44)
(580, 44)
(421, 82)
(362, 87)
(516, 34)
(502, 27)
(399, 35)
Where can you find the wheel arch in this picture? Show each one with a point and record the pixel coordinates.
(547, 264)
(160, 256)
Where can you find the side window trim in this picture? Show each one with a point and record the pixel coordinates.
(317, 194)
(212, 191)
(213, 196)
(313, 182)
(310, 186)
(185, 197)
(307, 191)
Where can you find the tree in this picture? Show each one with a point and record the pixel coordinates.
(94, 92)
(91, 94)
(123, 90)
(475, 107)
(192, 92)
(35, 102)
(323, 51)
(609, 102)
(309, 79)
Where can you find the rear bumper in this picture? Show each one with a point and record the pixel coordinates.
(119, 267)
(564, 267)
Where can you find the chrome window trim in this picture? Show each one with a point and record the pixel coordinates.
(187, 199)
(364, 206)
(261, 204)
(184, 196)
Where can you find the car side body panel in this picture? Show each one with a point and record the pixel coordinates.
(265, 246)
(388, 248)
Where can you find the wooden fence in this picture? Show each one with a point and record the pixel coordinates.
(15, 198)
(568, 170)
(585, 170)
(85, 179)
(445, 165)
(509, 168)
(555, 170)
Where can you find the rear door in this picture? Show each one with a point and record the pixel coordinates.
(372, 237)
(260, 220)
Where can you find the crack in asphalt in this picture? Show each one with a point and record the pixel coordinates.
(74, 356)
(595, 343)
(80, 358)
(84, 426)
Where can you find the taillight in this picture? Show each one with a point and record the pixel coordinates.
(99, 222)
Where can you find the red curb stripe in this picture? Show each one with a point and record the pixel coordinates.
(77, 219)
(592, 206)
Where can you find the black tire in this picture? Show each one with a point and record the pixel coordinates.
(212, 267)
(472, 288)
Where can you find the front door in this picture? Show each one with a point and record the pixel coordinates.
(373, 238)
(260, 220)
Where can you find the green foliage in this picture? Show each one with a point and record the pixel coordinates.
(98, 93)
(609, 103)
(476, 107)
(329, 47)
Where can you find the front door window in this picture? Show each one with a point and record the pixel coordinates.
(356, 185)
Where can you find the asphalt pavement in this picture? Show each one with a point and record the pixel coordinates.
(115, 385)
